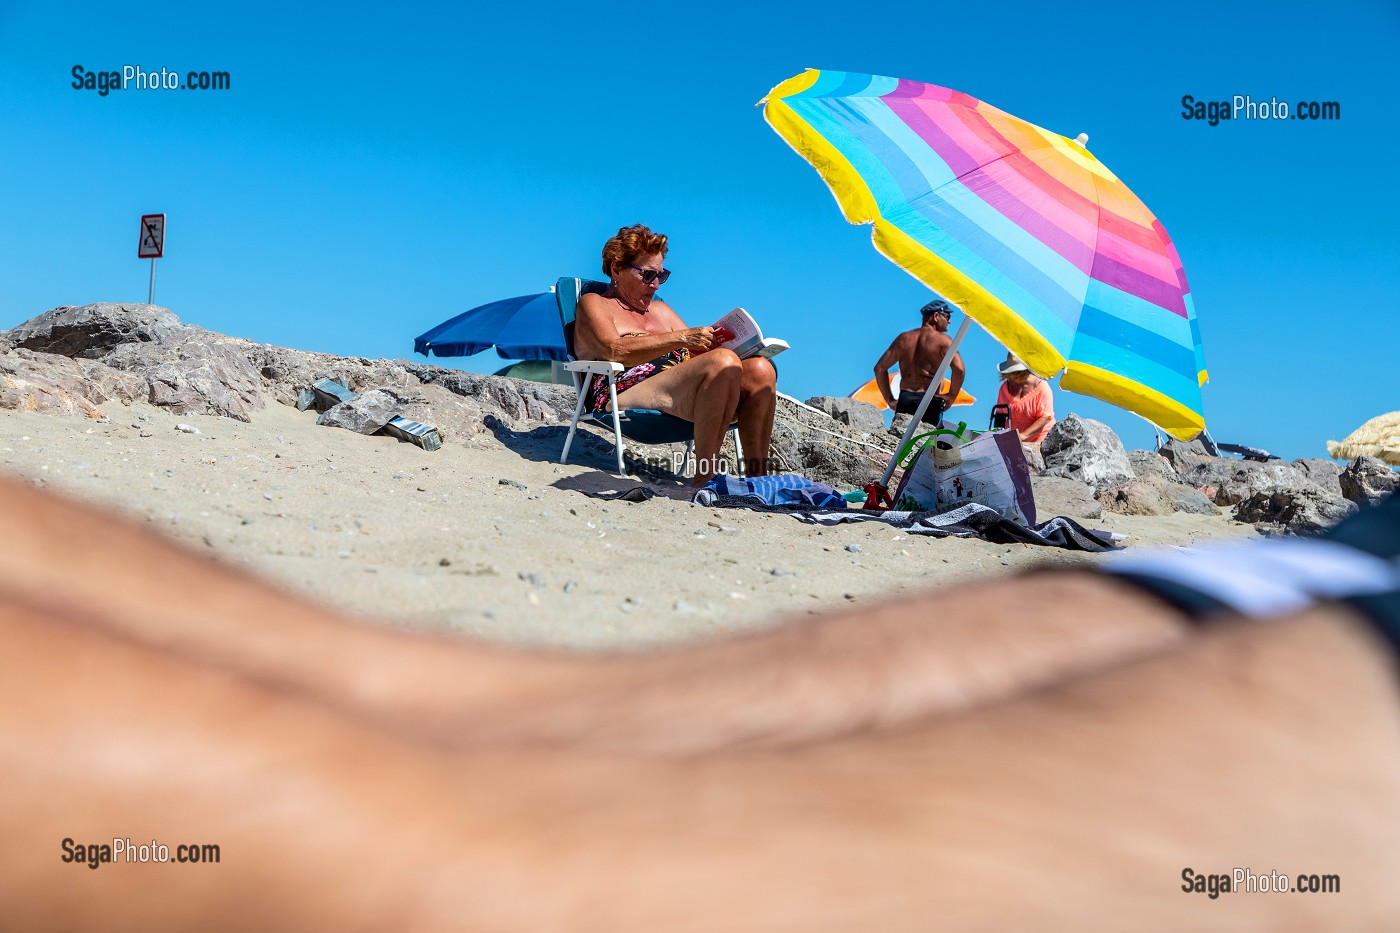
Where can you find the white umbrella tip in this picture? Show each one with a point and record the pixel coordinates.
(1082, 139)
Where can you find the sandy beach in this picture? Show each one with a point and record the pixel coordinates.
(491, 542)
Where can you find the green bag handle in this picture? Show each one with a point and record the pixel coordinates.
(908, 449)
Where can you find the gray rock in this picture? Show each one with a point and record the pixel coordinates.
(826, 450)
(1211, 473)
(1251, 477)
(455, 418)
(1298, 511)
(851, 412)
(1190, 499)
(144, 352)
(1035, 458)
(187, 369)
(1055, 495)
(52, 384)
(1322, 472)
(286, 372)
(1367, 480)
(1184, 456)
(364, 415)
(517, 399)
(1087, 451)
(1154, 494)
(90, 331)
(194, 377)
(828, 463)
(1150, 463)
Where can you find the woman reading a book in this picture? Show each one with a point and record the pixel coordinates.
(669, 366)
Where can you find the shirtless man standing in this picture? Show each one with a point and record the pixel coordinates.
(918, 353)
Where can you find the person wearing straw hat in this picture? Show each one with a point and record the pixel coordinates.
(1028, 398)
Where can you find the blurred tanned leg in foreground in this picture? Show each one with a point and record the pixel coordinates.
(1080, 803)
(877, 666)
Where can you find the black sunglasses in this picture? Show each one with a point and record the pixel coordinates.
(651, 275)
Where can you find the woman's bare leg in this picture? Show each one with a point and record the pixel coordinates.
(704, 390)
(758, 398)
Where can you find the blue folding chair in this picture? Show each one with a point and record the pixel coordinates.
(642, 425)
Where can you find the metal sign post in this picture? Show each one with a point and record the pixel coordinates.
(151, 246)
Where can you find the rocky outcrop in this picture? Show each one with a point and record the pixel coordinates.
(186, 369)
(851, 412)
(1184, 456)
(1055, 495)
(457, 419)
(1295, 511)
(285, 372)
(822, 448)
(73, 359)
(518, 399)
(1154, 494)
(1367, 480)
(91, 331)
(193, 375)
(1322, 472)
(1150, 463)
(42, 382)
(1251, 477)
(1087, 451)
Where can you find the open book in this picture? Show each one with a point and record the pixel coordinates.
(748, 339)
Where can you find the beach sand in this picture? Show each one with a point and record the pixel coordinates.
(435, 540)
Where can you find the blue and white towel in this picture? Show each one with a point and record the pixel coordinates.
(787, 490)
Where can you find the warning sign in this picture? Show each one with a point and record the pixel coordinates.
(152, 245)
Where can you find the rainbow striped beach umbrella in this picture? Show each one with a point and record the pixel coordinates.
(1023, 228)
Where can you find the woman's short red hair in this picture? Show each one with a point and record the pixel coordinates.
(629, 245)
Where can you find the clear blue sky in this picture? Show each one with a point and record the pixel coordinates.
(375, 169)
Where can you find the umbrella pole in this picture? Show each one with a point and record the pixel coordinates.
(880, 492)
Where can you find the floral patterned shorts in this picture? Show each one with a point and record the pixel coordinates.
(598, 389)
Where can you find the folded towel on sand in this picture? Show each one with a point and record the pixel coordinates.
(784, 489)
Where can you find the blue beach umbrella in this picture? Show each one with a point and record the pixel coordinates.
(524, 328)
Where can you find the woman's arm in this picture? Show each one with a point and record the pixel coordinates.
(597, 335)
(1027, 433)
(1043, 407)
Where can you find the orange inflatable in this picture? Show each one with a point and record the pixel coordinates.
(871, 392)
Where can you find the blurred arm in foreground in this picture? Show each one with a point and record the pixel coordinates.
(1273, 747)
